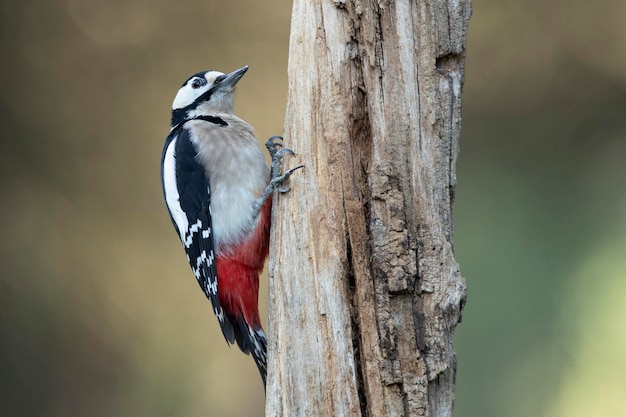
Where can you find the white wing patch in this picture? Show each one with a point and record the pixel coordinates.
(172, 198)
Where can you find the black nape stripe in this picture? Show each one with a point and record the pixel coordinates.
(213, 119)
(178, 117)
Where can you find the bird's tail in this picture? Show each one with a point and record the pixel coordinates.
(255, 343)
(250, 338)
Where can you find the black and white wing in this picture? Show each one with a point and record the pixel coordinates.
(188, 196)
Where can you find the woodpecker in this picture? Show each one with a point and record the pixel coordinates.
(217, 185)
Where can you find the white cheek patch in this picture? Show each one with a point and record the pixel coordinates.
(186, 95)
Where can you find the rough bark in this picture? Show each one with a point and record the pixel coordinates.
(365, 292)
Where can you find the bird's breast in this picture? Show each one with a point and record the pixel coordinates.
(238, 174)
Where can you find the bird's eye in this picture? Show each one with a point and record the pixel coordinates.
(198, 82)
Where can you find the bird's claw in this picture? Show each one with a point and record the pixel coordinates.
(283, 151)
(276, 178)
(284, 177)
(272, 146)
(276, 150)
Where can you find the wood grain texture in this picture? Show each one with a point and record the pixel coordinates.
(365, 292)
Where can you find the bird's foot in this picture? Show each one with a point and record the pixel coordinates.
(277, 179)
(272, 145)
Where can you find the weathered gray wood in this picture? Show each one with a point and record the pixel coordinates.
(364, 289)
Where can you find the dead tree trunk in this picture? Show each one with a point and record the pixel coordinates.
(364, 289)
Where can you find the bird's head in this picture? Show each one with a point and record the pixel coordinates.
(205, 93)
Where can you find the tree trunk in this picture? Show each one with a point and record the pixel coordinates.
(364, 289)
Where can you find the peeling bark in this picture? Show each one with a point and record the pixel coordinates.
(365, 292)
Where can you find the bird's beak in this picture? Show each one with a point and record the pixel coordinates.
(231, 79)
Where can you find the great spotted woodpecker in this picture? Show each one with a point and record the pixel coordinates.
(216, 184)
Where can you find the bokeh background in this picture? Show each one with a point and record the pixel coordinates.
(99, 313)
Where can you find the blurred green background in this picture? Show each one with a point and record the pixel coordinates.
(99, 313)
